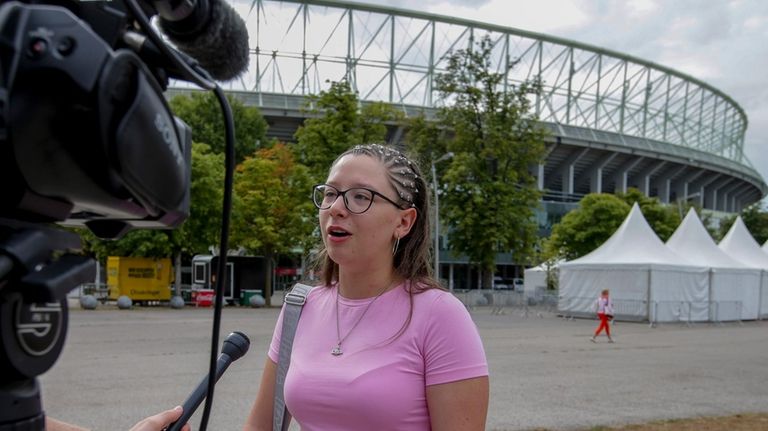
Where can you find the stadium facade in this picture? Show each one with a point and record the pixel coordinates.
(616, 121)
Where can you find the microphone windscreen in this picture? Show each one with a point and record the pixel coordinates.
(221, 46)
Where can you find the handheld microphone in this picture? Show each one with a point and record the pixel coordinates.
(210, 31)
(235, 346)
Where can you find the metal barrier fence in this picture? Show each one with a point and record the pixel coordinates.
(548, 302)
(470, 298)
(691, 312)
(629, 309)
(503, 301)
(655, 312)
(623, 309)
(677, 311)
(99, 291)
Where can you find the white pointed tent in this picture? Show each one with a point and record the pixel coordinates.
(734, 287)
(644, 276)
(740, 245)
(535, 279)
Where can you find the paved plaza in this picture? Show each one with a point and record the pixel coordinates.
(118, 366)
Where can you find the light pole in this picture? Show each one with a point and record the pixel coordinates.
(444, 157)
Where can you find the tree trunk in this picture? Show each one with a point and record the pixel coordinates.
(177, 281)
(487, 278)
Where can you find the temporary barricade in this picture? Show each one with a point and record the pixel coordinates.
(724, 311)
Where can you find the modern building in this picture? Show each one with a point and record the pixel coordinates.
(616, 121)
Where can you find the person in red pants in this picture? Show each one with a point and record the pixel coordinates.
(605, 313)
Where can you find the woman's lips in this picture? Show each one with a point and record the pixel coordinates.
(337, 234)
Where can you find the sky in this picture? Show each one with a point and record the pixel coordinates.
(721, 42)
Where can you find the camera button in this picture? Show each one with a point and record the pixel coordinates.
(65, 46)
(38, 47)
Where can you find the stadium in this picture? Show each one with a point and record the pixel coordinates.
(615, 121)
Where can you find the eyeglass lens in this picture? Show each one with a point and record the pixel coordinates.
(356, 200)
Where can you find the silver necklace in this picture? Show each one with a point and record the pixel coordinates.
(336, 351)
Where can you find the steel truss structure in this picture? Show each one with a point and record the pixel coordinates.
(616, 121)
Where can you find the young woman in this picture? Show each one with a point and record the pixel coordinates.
(380, 345)
(605, 314)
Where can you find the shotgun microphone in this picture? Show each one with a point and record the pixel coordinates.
(235, 346)
(210, 31)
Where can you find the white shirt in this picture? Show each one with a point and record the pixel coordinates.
(604, 306)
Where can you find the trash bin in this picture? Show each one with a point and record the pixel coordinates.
(186, 295)
(247, 294)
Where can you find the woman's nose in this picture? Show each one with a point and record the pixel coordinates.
(338, 207)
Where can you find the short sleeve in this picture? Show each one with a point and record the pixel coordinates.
(452, 346)
(274, 346)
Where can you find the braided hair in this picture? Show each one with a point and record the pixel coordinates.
(412, 258)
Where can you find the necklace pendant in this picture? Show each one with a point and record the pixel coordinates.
(337, 350)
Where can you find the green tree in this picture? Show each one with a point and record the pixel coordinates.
(489, 194)
(201, 111)
(274, 211)
(427, 141)
(336, 123)
(203, 227)
(587, 227)
(136, 243)
(725, 225)
(664, 219)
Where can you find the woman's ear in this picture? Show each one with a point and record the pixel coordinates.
(406, 222)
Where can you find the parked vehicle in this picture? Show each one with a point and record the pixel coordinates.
(518, 285)
(501, 284)
(245, 274)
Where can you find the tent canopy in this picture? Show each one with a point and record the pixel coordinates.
(741, 246)
(646, 278)
(634, 242)
(734, 287)
(692, 240)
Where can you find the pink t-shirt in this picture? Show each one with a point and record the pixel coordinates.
(379, 382)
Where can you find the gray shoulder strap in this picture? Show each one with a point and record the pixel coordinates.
(293, 300)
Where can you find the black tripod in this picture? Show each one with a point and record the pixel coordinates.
(36, 274)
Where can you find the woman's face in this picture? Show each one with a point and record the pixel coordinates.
(360, 241)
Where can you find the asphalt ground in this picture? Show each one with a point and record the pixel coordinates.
(119, 366)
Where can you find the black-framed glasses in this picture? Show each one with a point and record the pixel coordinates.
(357, 199)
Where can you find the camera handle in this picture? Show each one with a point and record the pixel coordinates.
(34, 281)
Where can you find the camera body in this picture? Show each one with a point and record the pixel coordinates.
(86, 139)
(86, 136)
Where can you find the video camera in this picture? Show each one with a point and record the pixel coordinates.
(88, 139)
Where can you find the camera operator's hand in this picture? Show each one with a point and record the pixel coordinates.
(160, 421)
(55, 425)
(157, 422)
